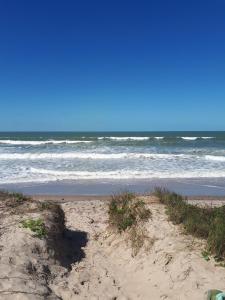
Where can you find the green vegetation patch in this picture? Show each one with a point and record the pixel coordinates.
(202, 222)
(37, 226)
(125, 210)
(128, 213)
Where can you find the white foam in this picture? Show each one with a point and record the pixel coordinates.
(193, 138)
(158, 137)
(124, 138)
(47, 175)
(190, 138)
(125, 174)
(215, 158)
(82, 155)
(34, 143)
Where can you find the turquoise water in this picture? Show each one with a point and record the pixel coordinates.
(43, 157)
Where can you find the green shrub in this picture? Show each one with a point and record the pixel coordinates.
(128, 213)
(125, 210)
(37, 226)
(202, 222)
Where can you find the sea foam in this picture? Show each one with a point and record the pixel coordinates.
(48, 175)
(83, 155)
(125, 138)
(215, 157)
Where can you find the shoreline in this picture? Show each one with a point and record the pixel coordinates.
(186, 186)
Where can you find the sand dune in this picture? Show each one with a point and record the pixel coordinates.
(94, 263)
(172, 268)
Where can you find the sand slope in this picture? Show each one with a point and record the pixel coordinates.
(91, 262)
(27, 262)
(172, 268)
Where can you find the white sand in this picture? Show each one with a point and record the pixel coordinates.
(173, 268)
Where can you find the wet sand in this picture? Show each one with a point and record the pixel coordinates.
(187, 187)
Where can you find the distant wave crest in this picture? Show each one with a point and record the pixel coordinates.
(124, 138)
(193, 138)
(34, 143)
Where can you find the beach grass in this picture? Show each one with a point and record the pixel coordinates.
(129, 213)
(203, 222)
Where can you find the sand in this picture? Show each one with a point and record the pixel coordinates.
(170, 266)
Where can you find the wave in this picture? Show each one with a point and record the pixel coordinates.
(73, 175)
(193, 138)
(91, 139)
(145, 138)
(82, 155)
(34, 143)
(124, 138)
(215, 158)
(45, 175)
(125, 174)
(189, 138)
(106, 156)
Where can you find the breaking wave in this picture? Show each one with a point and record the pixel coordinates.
(83, 155)
(36, 143)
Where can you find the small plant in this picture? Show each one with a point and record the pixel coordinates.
(128, 213)
(19, 197)
(205, 255)
(37, 226)
(44, 205)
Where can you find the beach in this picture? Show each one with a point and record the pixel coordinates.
(100, 263)
(112, 150)
(68, 181)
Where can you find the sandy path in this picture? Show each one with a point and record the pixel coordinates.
(93, 277)
(173, 268)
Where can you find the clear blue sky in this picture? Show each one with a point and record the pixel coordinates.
(112, 65)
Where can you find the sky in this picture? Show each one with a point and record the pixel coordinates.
(112, 65)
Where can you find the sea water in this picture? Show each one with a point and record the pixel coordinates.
(38, 157)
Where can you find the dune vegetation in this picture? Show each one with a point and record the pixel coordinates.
(202, 222)
(129, 213)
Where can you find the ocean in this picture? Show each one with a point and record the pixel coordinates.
(50, 157)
